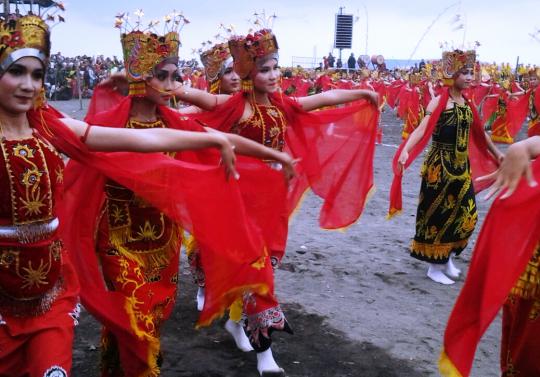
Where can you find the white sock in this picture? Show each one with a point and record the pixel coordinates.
(266, 362)
(435, 273)
(200, 299)
(451, 269)
(240, 337)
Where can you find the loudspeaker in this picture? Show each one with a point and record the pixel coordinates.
(343, 35)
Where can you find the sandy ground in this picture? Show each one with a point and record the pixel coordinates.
(359, 305)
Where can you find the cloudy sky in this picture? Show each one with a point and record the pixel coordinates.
(395, 28)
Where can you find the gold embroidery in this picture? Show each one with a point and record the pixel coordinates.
(148, 231)
(34, 277)
(59, 174)
(37, 205)
(528, 284)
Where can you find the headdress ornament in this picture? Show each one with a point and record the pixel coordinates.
(28, 35)
(144, 48)
(216, 57)
(245, 50)
(455, 60)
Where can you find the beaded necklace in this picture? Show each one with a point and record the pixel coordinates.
(279, 123)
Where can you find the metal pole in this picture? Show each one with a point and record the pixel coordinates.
(516, 70)
(79, 85)
(367, 28)
(6, 9)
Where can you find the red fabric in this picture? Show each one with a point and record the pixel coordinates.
(517, 109)
(504, 246)
(393, 91)
(178, 188)
(537, 99)
(479, 93)
(490, 104)
(403, 97)
(520, 344)
(39, 353)
(336, 147)
(482, 162)
(412, 112)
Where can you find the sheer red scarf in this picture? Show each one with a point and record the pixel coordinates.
(482, 162)
(336, 148)
(195, 196)
(504, 246)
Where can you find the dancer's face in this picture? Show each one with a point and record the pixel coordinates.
(533, 81)
(159, 87)
(20, 85)
(267, 77)
(230, 81)
(464, 78)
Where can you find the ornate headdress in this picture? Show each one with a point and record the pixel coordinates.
(144, 48)
(22, 36)
(455, 61)
(215, 61)
(246, 50)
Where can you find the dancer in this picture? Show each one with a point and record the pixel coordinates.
(137, 244)
(38, 286)
(446, 214)
(335, 146)
(222, 79)
(498, 278)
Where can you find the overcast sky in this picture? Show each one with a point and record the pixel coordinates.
(306, 27)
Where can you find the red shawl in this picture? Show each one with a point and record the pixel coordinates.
(336, 148)
(392, 92)
(482, 162)
(519, 108)
(504, 246)
(490, 103)
(195, 196)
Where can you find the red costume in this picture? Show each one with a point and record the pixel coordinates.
(336, 148)
(38, 287)
(499, 278)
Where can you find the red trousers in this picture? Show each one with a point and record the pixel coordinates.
(42, 354)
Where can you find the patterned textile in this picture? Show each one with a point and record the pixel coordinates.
(446, 214)
(520, 344)
(138, 247)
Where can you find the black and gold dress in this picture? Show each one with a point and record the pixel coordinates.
(446, 214)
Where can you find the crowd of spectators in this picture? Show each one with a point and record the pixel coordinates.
(66, 76)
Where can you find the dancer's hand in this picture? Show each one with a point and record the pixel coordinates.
(402, 160)
(515, 165)
(288, 164)
(228, 158)
(372, 97)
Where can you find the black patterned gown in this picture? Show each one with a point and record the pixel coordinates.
(446, 214)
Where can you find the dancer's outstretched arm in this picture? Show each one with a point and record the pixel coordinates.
(108, 139)
(337, 97)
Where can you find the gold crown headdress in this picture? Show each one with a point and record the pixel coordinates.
(245, 50)
(216, 58)
(29, 35)
(144, 48)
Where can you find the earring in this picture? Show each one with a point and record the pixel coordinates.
(40, 99)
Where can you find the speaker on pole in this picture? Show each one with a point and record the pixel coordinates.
(343, 34)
